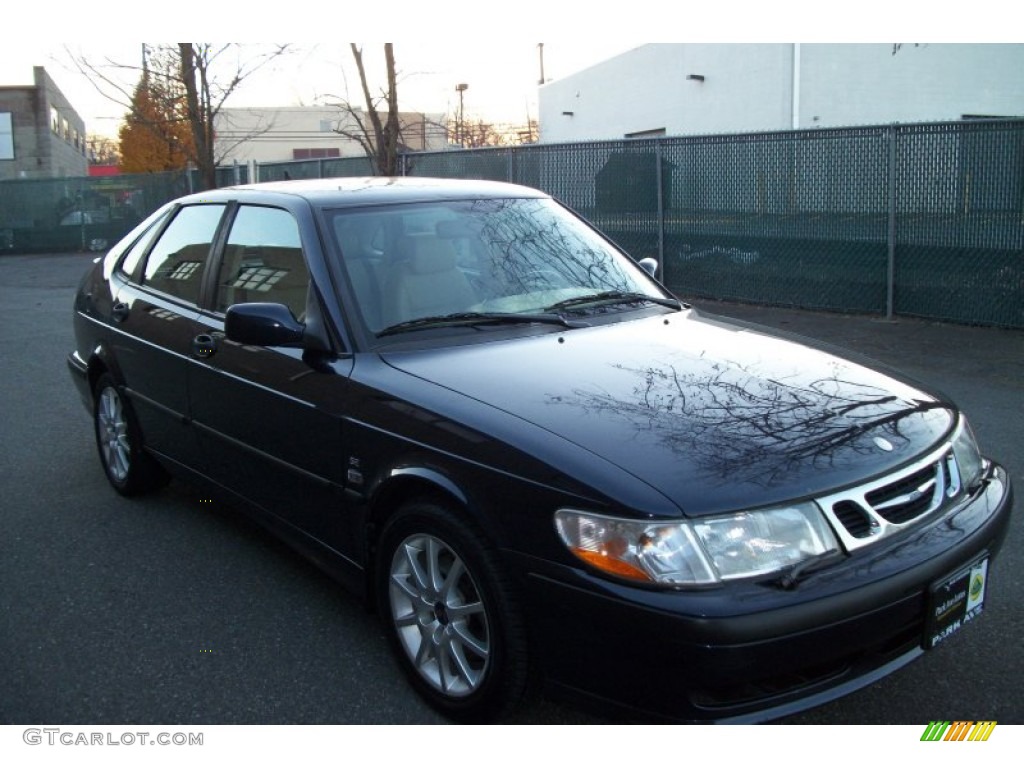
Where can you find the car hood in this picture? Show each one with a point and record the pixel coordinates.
(715, 416)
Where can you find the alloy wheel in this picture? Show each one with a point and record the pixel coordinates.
(112, 427)
(439, 615)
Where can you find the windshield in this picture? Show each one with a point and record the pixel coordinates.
(519, 256)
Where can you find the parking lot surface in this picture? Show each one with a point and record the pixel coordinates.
(175, 609)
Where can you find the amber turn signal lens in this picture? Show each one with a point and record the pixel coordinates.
(603, 562)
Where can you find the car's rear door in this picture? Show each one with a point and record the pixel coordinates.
(269, 423)
(154, 322)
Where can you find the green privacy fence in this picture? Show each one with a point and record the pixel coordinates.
(326, 168)
(923, 220)
(89, 213)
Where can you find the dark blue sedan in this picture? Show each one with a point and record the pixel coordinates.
(536, 463)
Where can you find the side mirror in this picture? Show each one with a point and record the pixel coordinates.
(650, 266)
(263, 325)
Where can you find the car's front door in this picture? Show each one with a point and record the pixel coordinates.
(268, 422)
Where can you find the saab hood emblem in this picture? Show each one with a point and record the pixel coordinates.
(882, 443)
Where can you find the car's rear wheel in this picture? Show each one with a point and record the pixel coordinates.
(451, 615)
(128, 468)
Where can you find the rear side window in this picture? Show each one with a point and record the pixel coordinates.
(175, 265)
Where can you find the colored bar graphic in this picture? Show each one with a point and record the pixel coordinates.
(982, 730)
(958, 730)
(934, 730)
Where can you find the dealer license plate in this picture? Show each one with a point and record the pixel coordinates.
(955, 601)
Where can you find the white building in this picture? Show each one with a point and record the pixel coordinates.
(274, 134)
(685, 89)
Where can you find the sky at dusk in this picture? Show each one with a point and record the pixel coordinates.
(492, 48)
(502, 76)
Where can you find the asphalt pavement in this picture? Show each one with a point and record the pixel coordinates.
(173, 609)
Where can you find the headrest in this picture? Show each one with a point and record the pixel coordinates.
(432, 255)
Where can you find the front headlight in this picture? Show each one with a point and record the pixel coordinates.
(704, 551)
(970, 466)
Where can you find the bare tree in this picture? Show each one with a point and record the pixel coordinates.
(377, 125)
(102, 150)
(199, 106)
(385, 133)
(206, 75)
(205, 95)
(477, 132)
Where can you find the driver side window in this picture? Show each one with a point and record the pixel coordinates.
(263, 261)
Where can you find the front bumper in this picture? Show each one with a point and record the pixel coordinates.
(749, 652)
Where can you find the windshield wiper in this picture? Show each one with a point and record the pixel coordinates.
(795, 573)
(479, 318)
(614, 297)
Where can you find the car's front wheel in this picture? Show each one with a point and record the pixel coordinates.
(128, 468)
(451, 614)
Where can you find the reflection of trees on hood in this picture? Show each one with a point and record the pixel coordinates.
(731, 423)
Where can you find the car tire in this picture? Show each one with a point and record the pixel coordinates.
(129, 469)
(451, 614)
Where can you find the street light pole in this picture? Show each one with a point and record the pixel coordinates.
(459, 124)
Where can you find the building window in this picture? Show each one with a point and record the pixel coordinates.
(6, 136)
(315, 153)
(54, 120)
(184, 270)
(263, 260)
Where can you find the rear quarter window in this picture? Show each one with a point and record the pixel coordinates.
(133, 255)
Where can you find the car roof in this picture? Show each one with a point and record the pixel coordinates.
(373, 190)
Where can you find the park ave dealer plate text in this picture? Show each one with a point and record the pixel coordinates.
(954, 601)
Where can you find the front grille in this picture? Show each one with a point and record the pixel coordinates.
(854, 519)
(909, 497)
(867, 513)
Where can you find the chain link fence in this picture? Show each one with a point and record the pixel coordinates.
(959, 228)
(924, 220)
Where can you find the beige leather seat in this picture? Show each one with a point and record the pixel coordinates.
(366, 283)
(428, 283)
